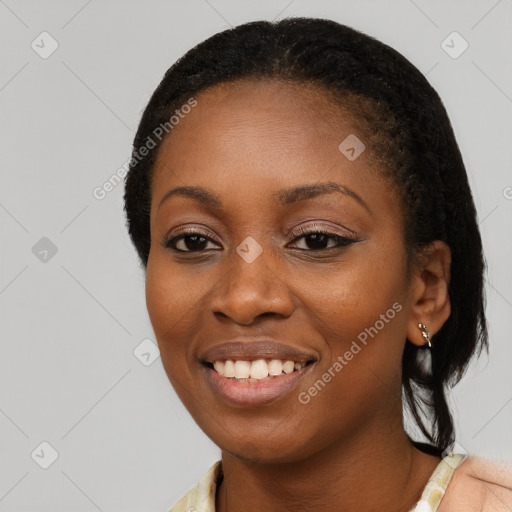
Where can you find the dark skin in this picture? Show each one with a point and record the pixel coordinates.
(345, 450)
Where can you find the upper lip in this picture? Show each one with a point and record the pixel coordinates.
(253, 349)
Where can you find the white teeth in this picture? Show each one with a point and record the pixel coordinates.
(256, 370)
(229, 369)
(242, 369)
(288, 367)
(275, 367)
(259, 369)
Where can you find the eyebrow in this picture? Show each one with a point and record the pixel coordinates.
(284, 197)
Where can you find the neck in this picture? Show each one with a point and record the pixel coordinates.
(373, 471)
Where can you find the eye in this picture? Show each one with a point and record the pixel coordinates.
(317, 238)
(189, 240)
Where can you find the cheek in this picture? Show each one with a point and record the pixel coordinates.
(360, 312)
(172, 300)
(346, 301)
(361, 316)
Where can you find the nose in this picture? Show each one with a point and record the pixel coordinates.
(252, 290)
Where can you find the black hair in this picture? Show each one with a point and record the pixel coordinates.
(406, 128)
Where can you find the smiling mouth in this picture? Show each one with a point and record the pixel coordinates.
(255, 370)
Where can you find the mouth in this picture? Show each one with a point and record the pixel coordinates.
(258, 370)
(243, 383)
(251, 372)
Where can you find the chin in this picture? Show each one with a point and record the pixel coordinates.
(262, 450)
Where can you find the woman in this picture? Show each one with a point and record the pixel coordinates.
(302, 212)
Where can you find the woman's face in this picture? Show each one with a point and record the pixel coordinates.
(245, 285)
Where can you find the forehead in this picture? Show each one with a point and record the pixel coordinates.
(251, 136)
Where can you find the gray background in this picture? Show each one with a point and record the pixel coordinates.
(70, 321)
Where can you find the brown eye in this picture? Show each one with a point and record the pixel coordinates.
(188, 241)
(315, 239)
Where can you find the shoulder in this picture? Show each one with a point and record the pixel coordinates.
(479, 485)
(201, 498)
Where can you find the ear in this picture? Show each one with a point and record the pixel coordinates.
(430, 301)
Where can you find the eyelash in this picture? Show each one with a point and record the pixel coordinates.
(301, 232)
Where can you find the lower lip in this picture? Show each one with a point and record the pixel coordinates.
(254, 393)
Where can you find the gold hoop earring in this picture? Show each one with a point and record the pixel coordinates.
(425, 333)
